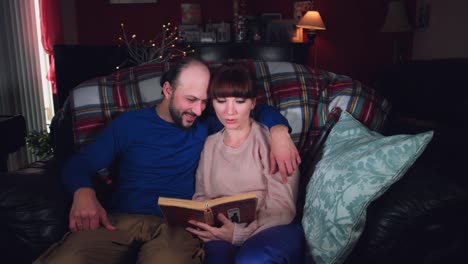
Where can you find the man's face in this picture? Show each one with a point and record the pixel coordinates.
(189, 98)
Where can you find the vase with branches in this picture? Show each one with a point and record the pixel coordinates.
(164, 47)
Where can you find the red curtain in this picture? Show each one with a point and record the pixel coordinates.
(51, 32)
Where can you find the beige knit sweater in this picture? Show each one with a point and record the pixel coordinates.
(225, 171)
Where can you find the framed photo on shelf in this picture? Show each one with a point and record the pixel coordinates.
(189, 33)
(191, 13)
(222, 31)
(268, 31)
(300, 8)
(284, 30)
(208, 37)
(115, 2)
(191, 36)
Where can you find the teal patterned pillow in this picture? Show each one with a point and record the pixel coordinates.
(358, 165)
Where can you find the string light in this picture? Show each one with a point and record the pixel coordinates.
(164, 47)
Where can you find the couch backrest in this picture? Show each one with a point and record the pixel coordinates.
(96, 102)
(307, 97)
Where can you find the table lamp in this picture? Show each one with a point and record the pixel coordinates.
(312, 22)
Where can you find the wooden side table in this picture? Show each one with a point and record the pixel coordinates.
(12, 137)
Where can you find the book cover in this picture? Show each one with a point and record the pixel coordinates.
(240, 208)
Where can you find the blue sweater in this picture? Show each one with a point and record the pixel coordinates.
(155, 158)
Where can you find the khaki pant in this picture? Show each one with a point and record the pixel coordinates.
(138, 239)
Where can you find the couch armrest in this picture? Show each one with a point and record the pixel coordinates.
(420, 219)
(61, 133)
(33, 211)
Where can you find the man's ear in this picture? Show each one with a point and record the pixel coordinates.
(167, 89)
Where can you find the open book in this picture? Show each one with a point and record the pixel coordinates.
(238, 208)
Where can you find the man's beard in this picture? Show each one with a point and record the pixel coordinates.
(176, 115)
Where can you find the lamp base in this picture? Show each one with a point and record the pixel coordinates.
(311, 36)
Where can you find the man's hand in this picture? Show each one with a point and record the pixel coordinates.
(208, 233)
(86, 212)
(283, 155)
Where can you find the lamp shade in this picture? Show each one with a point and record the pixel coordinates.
(311, 20)
(396, 19)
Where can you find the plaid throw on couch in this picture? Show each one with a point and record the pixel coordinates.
(309, 98)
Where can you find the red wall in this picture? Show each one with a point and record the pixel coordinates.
(351, 45)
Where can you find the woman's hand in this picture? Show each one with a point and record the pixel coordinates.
(209, 233)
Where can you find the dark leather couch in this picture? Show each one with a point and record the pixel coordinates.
(420, 219)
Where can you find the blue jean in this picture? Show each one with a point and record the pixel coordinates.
(279, 244)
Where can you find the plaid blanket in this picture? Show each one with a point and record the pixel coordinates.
(307, 97)
(96, 102)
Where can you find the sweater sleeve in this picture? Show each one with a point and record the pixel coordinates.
(269, 116)
(81, 167)
(277, 204)
(277, 207)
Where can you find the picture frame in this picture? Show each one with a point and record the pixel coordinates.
(300, 8)
(117, 2)
(191, 13)
(423, 15)
(267, 30)
(191, 36)
(222, 31)
(189, 33)
(284, 30)
(207, 37)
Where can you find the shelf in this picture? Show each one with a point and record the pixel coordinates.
(268, 51)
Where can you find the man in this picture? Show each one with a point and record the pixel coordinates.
(157, 151)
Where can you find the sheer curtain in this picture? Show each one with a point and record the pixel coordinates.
(21, 82)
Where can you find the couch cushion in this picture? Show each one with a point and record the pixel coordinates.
(33, 211)
(358, 165)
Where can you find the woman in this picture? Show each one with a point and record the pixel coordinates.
(234, 161)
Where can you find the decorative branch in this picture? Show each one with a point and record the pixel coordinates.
(166, 46)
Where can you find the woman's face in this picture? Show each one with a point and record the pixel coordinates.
(233, 112)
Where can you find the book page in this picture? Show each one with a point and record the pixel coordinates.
(226, 199)
(238, 208)
(182, 203)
